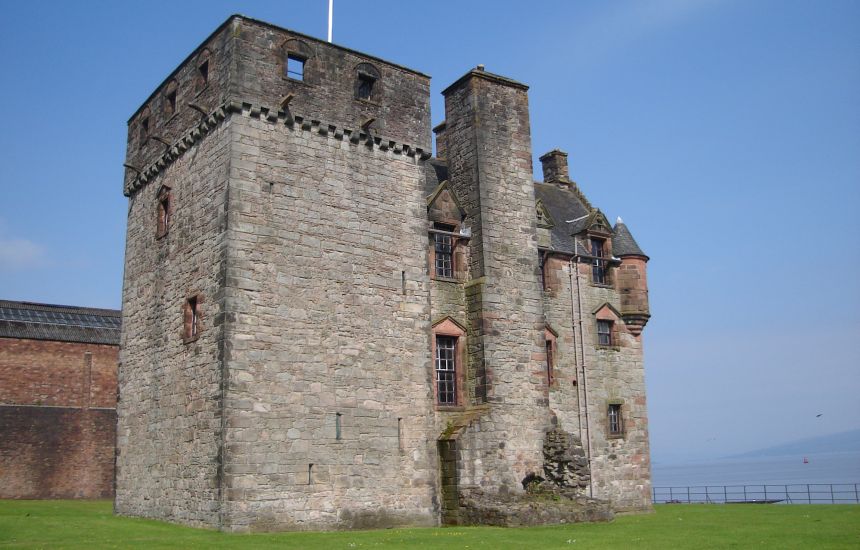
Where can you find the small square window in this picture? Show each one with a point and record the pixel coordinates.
(616, 420)
(295, 67)
(604, 333)
(365, 87)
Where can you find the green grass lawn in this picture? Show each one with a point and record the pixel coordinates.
(89, 524)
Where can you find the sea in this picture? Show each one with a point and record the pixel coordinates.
(822, 468)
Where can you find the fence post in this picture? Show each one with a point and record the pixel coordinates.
(671, 494)
(832, 498)
(787, 497)
(765, 492)
(688, 494)
(808, 495)
(856, 496)
(745, 493)
(725, 495)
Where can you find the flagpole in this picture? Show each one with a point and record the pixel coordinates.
(330, 2)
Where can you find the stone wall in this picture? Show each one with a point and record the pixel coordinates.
(169, 444)
(489, 161)
(329, 391)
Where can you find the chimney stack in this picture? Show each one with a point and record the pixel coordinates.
(555, 167)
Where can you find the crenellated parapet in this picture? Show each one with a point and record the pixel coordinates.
(210, 121)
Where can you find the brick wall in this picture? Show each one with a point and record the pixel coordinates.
(56, 452)
(59, 374)
(57, 419)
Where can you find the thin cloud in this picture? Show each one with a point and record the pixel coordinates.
(621, 25)
(19, 254)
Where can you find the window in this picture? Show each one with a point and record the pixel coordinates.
(203, 69)
(144, 129)
(598, 264)
(170, 104)
(295, 67)
(164, 212)
(191, 319)
(444, 250)
(542, 258)
(604, 333)
(446, 373)
(549, 362)
(616, 420)
(365, 86)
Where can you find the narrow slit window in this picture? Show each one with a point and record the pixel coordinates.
(295, 67)
(446, 372)
(191, 319)
(164, 211)
(616, 421)
(604, 333)
(337, 427)
(549, 364)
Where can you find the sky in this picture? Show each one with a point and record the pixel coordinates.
(726, 133)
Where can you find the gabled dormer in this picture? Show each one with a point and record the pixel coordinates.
(443, 206)
(544, 219)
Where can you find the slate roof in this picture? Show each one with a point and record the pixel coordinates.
(59, 323)
(623, 243)
(563, 205)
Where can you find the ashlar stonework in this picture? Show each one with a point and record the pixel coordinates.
(326, 327)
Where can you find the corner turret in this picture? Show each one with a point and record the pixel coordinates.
(632, 279)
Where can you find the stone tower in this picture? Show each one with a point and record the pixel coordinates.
(326, 327)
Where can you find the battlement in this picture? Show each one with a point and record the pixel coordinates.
(249, 61)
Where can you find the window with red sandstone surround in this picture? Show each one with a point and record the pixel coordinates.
(598, 264)
(604, 333)
(191, 318)
(615, 419)
(444, 251)
(163, 212)
(446, 370)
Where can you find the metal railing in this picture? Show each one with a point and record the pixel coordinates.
(807, 493)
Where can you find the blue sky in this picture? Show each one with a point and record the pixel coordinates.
(725, 132)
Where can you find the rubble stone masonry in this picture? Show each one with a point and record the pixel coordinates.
(297, 390)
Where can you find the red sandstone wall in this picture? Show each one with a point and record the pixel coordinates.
(48, 452)
(38, 372)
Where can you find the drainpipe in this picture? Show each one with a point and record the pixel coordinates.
(575, 265)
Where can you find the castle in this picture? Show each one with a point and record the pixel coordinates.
(326, 326)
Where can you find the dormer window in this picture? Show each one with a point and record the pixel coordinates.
(365, 87)
(604, 333)
(295, 68)
(598, 263)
